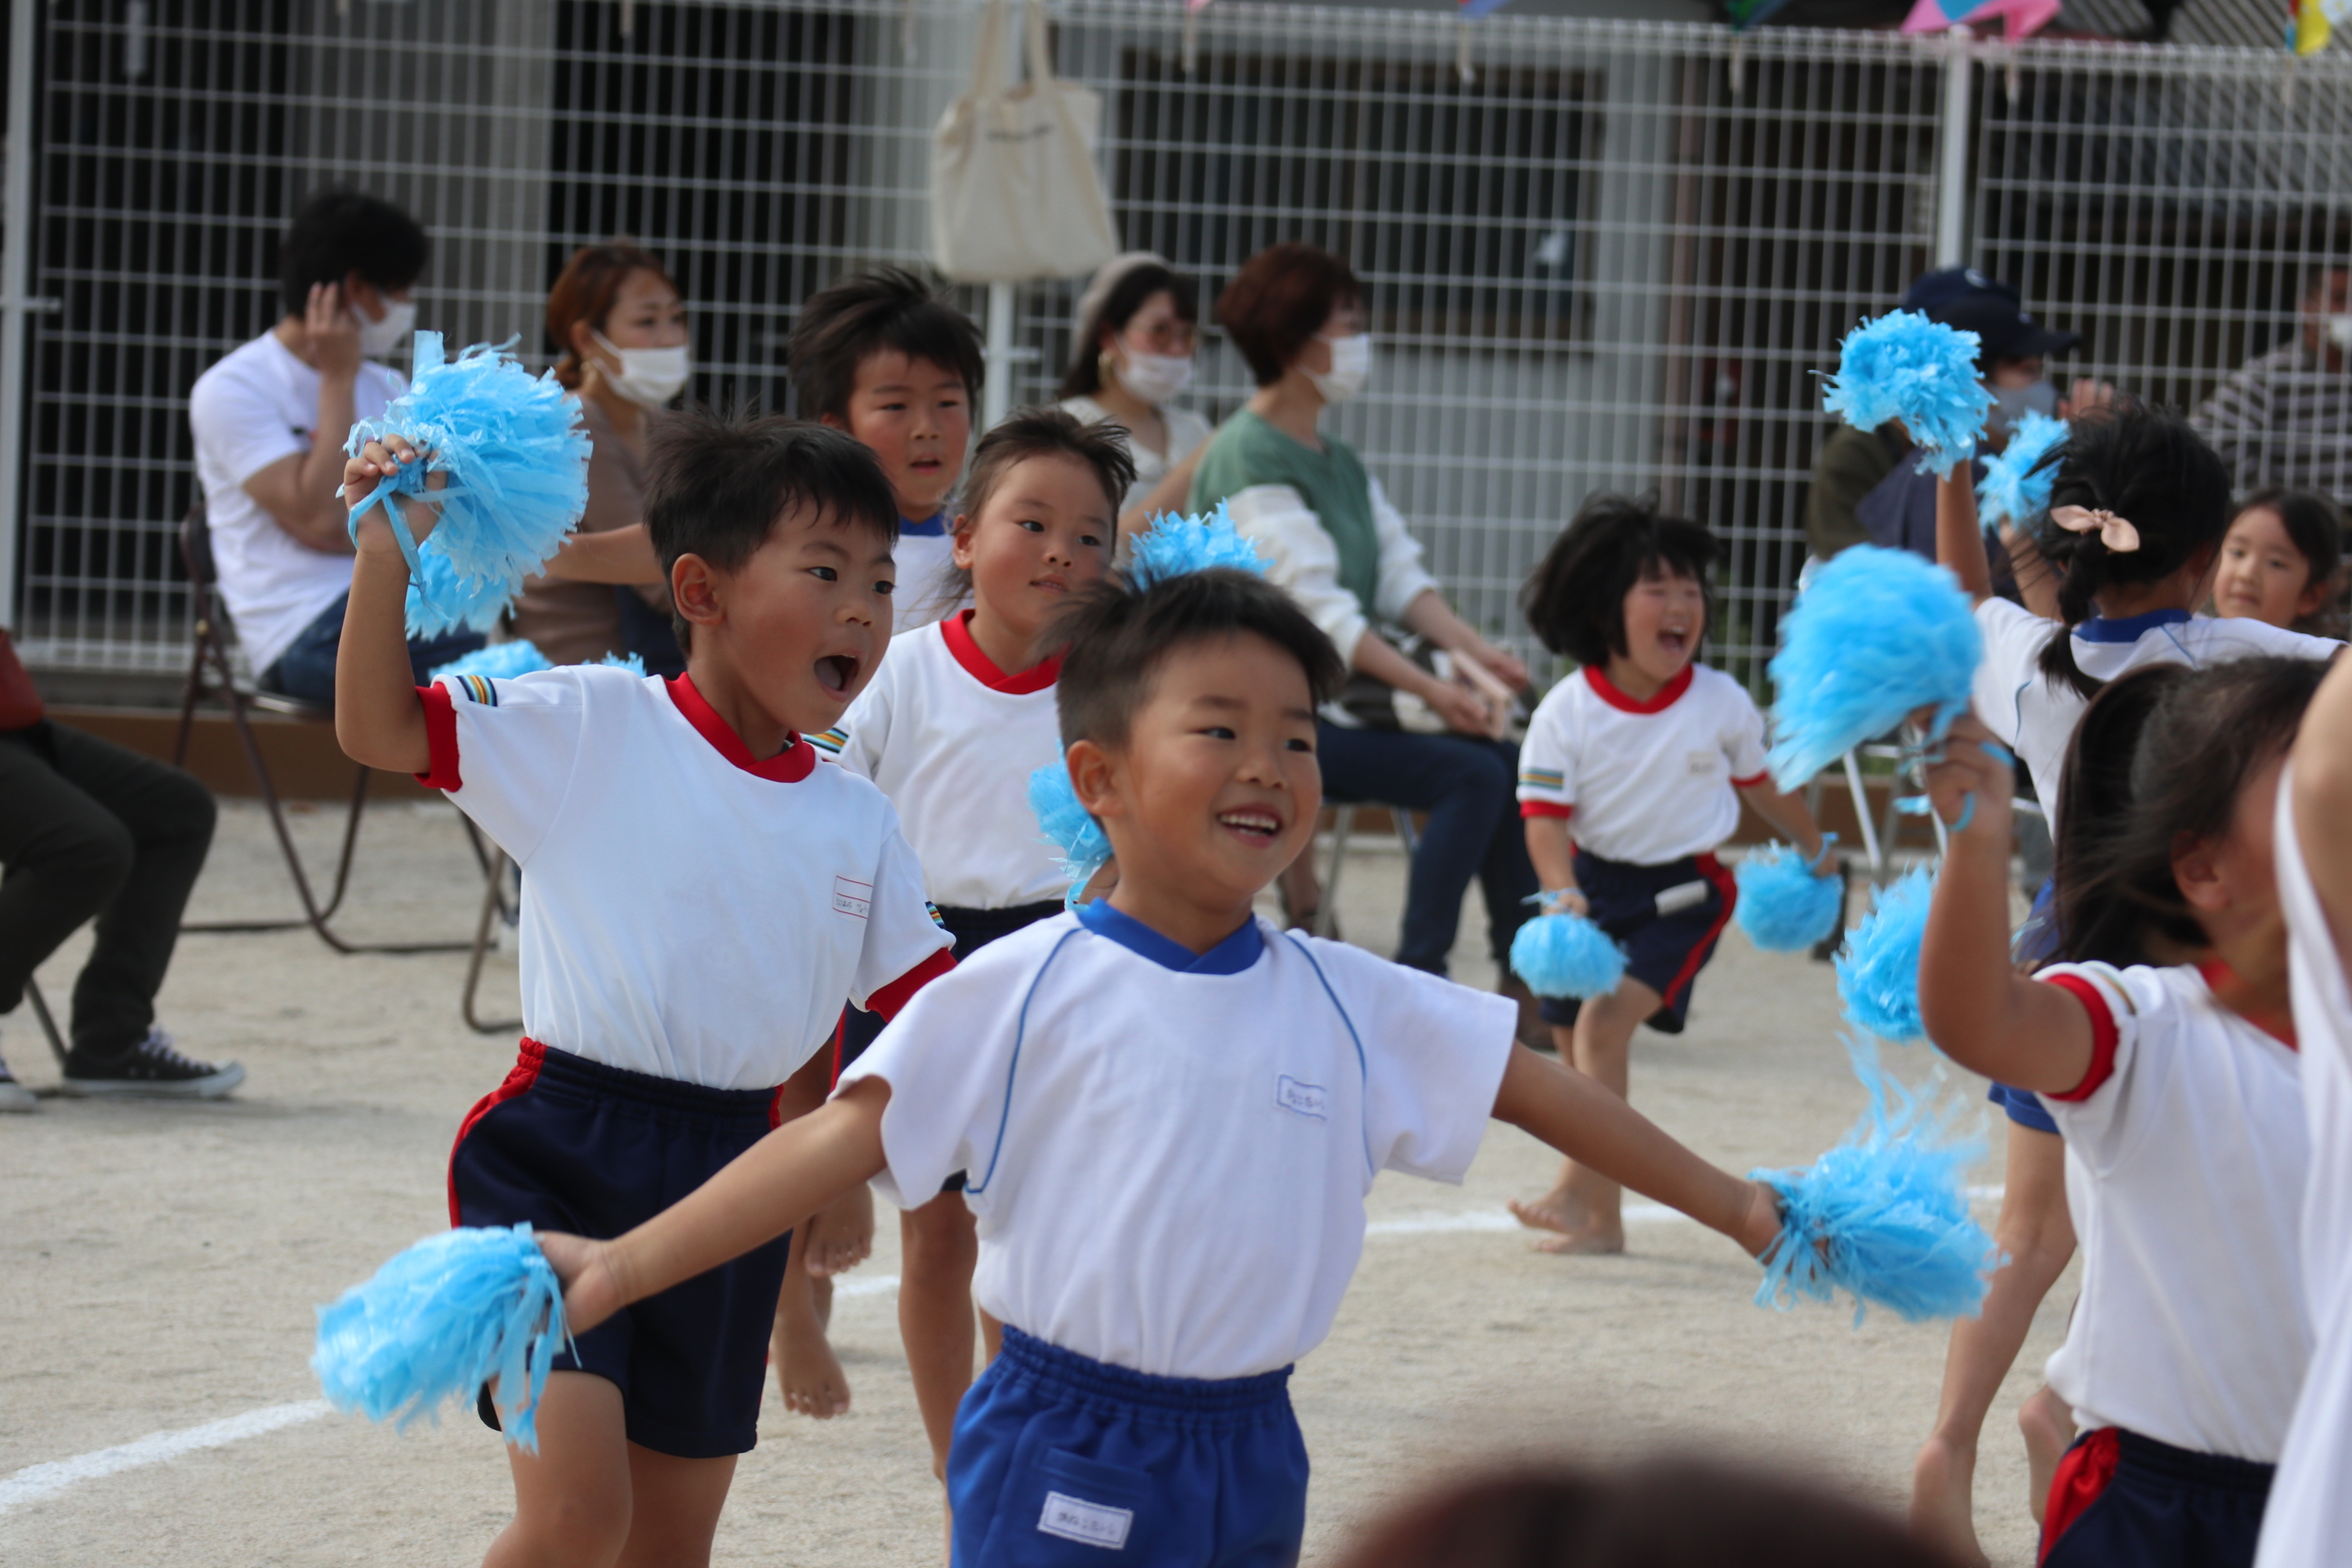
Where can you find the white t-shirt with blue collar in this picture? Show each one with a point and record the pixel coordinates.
(1168, 1153)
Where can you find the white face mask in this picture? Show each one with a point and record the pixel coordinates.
(2340, 332)
(1352, 366)
(648, 377)
(1155, 378)
(380, 337)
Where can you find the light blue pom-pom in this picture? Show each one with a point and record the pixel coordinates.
(1567, 955)
(439, 1321)
(1177, 546)
(1782, 906)
(2016, 483)
(1067, 826)
(627, 661)
(1883, 1216)
(1879, 972)
(497, 661)
(1904, 366)
(1879, 635)
(516, 455)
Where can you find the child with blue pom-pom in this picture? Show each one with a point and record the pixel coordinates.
(1633, 772)
(2162, 1047)
(698, 896)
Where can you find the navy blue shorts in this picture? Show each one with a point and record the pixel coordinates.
(2119, 1498)
(1058, 1459)
(572, 1145)
(1662, 950)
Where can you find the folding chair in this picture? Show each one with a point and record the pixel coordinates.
(211, 673)
(1343, 824)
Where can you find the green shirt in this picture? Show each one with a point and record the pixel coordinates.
(1248, 451)
(1848, 467)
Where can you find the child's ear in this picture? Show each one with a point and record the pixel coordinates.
(694, 588)
(1094, 777)
(832, 421)
(960, 543)
(2197, 872)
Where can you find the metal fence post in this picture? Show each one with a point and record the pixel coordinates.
(1952, 172)
(16, 270)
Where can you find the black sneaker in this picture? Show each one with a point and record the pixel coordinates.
(14, 1096)
(151, 1069)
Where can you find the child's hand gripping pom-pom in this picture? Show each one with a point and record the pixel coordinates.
(516, 457)
(1785, 904)
(2016, 485)
(1879, 635)
(1879, 972)
(439, 1321)
(1567, 955)
(1067, 826)
(1177, 546)
(1904, 366)
(1883, 1216)
(499, 661)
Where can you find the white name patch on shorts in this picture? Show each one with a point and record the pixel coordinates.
(1092, 1524)
(852, 897)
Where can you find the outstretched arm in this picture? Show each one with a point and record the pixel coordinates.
(378, 719)
(1978, 1008)
(1573, 1113)
(763, 1193)
(1960, 539)
(2323, 802)
(1790, 816)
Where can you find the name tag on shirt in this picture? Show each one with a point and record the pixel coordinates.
(1308, 1100)
(1683, 896)
(851, 897)
(1701, 764)
(1093, 1523)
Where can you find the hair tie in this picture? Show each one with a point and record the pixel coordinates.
(2116, 533)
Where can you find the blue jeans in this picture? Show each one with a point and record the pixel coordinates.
(306, 669)
(1469, 787)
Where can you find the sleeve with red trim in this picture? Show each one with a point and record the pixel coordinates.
(905, 945)
(1743, 737)
(505, 751)
(1547, 759)
(2095, 1115)
(946, 1057)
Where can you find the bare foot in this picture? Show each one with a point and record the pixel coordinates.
(1555, 1211)
(2049, 1428)
(1943, 1489)
(1598, 1241)
(841, 1235)
(807, 1373)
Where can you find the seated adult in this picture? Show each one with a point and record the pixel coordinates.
(2283, 419)
(93, 830)
(1339, 547)
(270, 419)
(1130, 358)
(620, 329)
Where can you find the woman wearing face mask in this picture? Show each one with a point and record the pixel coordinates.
(620, 326)
(1133, 357)
(1296, 315)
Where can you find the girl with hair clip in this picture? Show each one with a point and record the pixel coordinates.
(2163, 1046)
(2137, 512)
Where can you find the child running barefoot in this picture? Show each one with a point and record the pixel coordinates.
(1170, 1113)
(960, 716)
(2163, 1045)
(1633, 772)
(699, 897)
(2282, 560)
(2139, 507)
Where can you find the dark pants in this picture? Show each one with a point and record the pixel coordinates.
(307, 669)
(91, 829)
(1469, 788)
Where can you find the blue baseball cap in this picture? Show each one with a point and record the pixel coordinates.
(1965, 297)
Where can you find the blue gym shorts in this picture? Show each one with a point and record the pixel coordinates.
(1662, 950)
(1060, 1459)
(572, 1145)
(2122, 1501)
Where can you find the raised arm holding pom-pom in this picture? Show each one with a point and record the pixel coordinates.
(378, 719)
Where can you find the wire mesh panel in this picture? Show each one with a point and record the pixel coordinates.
(1600, 256)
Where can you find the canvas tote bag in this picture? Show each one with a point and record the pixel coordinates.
(1014, 195)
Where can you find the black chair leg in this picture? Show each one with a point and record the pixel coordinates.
(48, 1024)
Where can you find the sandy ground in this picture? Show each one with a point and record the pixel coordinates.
(159, 1266)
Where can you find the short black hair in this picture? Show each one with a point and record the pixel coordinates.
(1575, 599)
(338, 232)
(868, 313)
(1028, 433)
(1116, 637)
(717, 485)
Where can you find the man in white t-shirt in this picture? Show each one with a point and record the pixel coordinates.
(269, 422)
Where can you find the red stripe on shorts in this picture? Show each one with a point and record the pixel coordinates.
(1712, 869)
(519, 1079)
(2082, 1477)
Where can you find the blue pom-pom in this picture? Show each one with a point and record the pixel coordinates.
(1782, 906)
(516, 455)
(1879, 972)
(1883, 1216)
(441, 601)
(499, 661)
(1567, 955)
(1879, 634)
(1904, 366)
(1067, 826)
(439, 1321)
(627, 661)
(1176, 546)
(2016, 484)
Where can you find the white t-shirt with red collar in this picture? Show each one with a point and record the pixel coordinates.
(2186, 1157)
(687, 912)
(952, 739)
(1648, 782)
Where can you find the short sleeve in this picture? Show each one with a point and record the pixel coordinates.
(1433, 1058)
(505, 751)
(1547, 764)
(237, 425)
(1743, 737)
(905, 945)
(2014, 638)
(2094, 1116)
